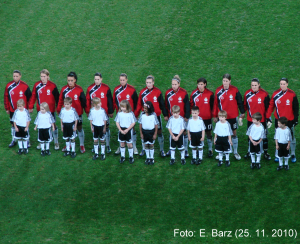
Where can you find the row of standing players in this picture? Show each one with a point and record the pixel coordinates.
(227, 97)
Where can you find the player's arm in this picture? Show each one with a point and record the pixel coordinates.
(27, 125)
(32, 100)
(82, 99)
(134, 98)
(239, 101)
(110, 104)
(141, 132)
(104, 127)
(55, 94)
(88, 103)
(229, 139)
(203, 135)
(75, 126)
(162, 106)
(187, 107)
(53, 126)
(215, 138)
(276, 142)
(28, 94)
(92, 127)
(295, 110)
(60, 102)
(16, 127)
(189, 135)
(155, 132)
(61, 125)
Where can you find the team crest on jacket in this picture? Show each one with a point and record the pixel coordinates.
(278, 101)
(21, 94)
(48, 92)
(197, 100)
(288, 102)
(75, 97)
(179, 99)
(205, 100)
(259, 100)
(102, 95)
(12, 93)
(93, 95)
(127, 97)
(250, 100)
(155, 99)
(171, 99)
(230, 97)
(40, 91)
(145, 98)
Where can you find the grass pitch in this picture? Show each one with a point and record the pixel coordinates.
(56, 200)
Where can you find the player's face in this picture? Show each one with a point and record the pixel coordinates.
(98, 80)
(281, 125)
(149, 83)
(254, 86)
(71, 81)
(283, 85)
(67, 105)
(255, 121)
(44, 78)
(123, 80)
(16, 77)
(195, 114)
(226, 83)
(43, 111)
(98, 105)
(21, 107)
(176, 115)
(201, 86)
(222, 119)
(123, 109)
(175, 85)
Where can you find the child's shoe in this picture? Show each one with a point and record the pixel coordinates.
(252, 166)
(286, 167)
(73, 154)
(220, 163)
(199, 161)
(172, 161)
(193, 161)
(47, 153)
(25, 151)
(258, 165)
(43, 153)
(131, 160)
(279, 168)
(20, 151)
(227, 163)
(102, 156)
(122, 160)
(151, 161)
(95, 156)
(183, 161)
(67, 153)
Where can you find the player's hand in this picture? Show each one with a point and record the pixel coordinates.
(295, 122)
(154, 136)
(189, 138)
(104, 131)
(26, 129)
(92, 129)
(215, 142)
(34, 128)
(30, 110)
(53, 128)
(202, 139)
(7, 111)
(288, 147)
(62, 128)
(215, 120)
(16, 129)
(277, 147)
(166, 118)
(230, 142)
(111, 115)
(242, 116)
(269, 124)
(142, 136)
(74, 128)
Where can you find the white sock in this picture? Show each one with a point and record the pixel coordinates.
(151, 153)
(161, 142)
(13, 133)
(73, 146)
(42, 146)
(220, 156)
(68, 145)
(96, 148)
(172, 154)
(194, 151)
(20, 143)
(107, 137)
(280, 161)
(209, 143)
(143, 144)
(200, 154)
(182, 152)
(134, 139)
(276, 153)
(102, 148)
(130, 151)
(81, 137)
(252, 157)
(258, 156)
(55, 135)
(25, 144)
(147, 153)
(235, 142)
(286, 161)
(227, 156)
(47, 145)
(186, 142)
(122, 150)
(293, 146)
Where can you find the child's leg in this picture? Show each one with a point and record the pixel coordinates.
(20, 143)
(96, 147)
(280, 161)
(151, 147)
(227, 156)
(194, 152)
(102, 142)
(107, 137)
(286, 161)
(182, 152)
(42, 146)
(161, 141)
(209, 142)
(200, 151)
(68, 144)
(147, 150)
(172, 154)
(122, 149)
(252, 157)
(258, 157)
(221, 156)
(47, 145)
(25, 144)
(55, 135)
(130, 149)
(81, 137)
(73, 145)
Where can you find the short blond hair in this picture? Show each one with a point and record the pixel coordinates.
(125, 104)
(96, 100)
(45, 71)
(175, 109)
(222, 113)
(45, 106)
(21, 102)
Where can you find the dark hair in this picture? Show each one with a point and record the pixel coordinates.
(285, 79)
(203, 80)
(227, 76)
(73, 74)
(257, 116)
(17, 71)
(98, 74)
(150, 107)
(195, 108)
(283, 120)
(255, 80)
(123, 74)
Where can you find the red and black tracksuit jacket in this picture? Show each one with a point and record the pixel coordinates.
(205, 102)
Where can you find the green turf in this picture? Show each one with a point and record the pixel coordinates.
(59, 200)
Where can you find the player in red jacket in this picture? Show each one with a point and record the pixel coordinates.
(78, 103)
(178, 96)
(285, 103)
(102, 91)
(14, 91)
(154, 95)
(124, 91)
(228, 98)
(45, 91)
(203, 98)
(256, 100)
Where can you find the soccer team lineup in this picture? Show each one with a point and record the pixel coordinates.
(189, 118)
